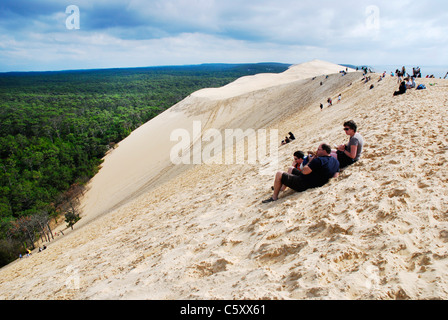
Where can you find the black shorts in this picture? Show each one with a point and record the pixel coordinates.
(294, 182)
(344, 160)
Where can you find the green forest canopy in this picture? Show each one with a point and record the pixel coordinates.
(55, 127)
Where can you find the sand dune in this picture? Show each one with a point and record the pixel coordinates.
(379, 231)
(268, 80)
(137, 164)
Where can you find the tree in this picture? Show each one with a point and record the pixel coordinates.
(55, 129)
(71, 218)
(9, 250)
(42, 221)
(24, 231)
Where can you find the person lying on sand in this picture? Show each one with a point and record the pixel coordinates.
(317, 173)
(286, 141)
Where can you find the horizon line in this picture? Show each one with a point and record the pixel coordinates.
(145, 67)
(197, 65)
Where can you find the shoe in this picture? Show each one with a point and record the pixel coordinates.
(268, 200)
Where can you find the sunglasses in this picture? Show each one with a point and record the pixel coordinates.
(346, 129)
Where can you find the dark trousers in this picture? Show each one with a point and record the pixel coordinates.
(344, 160)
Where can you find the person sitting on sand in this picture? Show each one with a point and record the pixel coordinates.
(317, 173)
(348, 154)
(410, 83)
(297, 166)
(301, 161)
(291, 136)
(401, 89)
(286, 141)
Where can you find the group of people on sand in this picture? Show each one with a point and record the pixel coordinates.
(402, 72)
(288, 139)
(29, 253)
(330, 101)
(416, 73)
(406, 84)
(319, 167)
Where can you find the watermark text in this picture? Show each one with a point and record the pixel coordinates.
(73, 21)
(230, 146)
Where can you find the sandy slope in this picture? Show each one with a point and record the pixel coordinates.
(379, 231)
(142, 158)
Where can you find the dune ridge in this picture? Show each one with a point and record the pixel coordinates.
(379, 231)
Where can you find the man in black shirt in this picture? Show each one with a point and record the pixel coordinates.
(317, 173)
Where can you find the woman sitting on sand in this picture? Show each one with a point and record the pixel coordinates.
(348, 154)
(291, 136)
(401, 90)
(410, 84)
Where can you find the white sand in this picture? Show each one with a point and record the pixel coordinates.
(136, 166)
(268, 80)
(379, 231)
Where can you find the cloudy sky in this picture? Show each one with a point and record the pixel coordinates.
(38, 35)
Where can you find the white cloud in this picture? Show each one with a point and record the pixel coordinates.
(162, 32)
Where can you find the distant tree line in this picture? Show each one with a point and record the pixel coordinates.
(55, 127)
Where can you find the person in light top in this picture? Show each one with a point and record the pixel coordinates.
(348, 154)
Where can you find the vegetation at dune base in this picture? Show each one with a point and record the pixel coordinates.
(55, 127)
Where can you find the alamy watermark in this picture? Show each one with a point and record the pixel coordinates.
(73, 21)
(226, 147)
(373, 18)
(73, 280)
(373, 278)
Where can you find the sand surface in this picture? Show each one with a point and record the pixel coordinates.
(152, 230)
